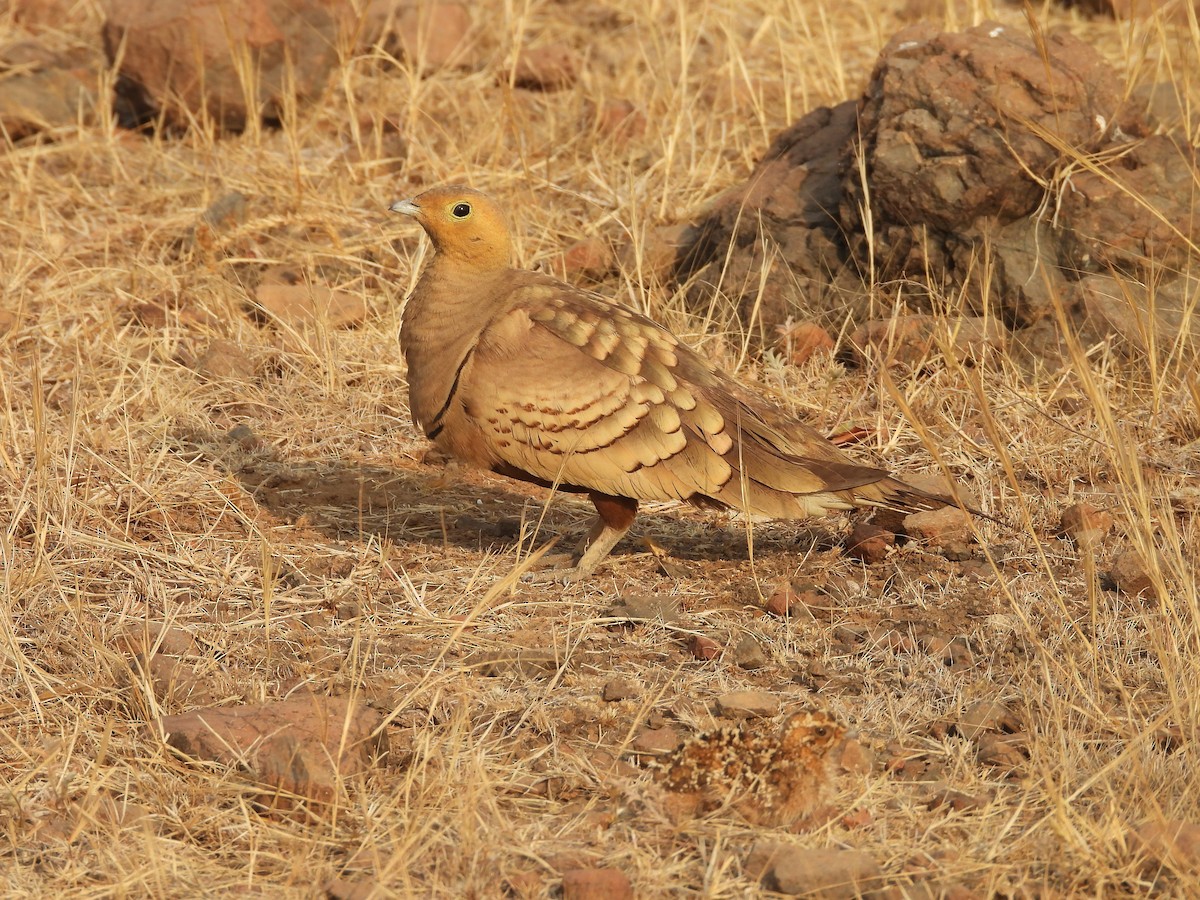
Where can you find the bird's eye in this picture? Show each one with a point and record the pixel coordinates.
(461, 210)
(821, 730)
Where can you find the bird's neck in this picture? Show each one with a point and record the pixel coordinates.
(441, 322)
(476, 255)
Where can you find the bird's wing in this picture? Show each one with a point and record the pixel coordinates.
(580, 394)
(573, 390)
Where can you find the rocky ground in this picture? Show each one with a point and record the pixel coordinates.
(258, 638)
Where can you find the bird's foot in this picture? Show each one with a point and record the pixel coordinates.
(557, 568)
(587, 558)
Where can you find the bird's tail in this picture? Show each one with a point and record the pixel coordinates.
(894, 494)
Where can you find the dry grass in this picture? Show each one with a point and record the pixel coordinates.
(326, 554)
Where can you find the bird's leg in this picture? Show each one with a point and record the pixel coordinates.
(614, 517)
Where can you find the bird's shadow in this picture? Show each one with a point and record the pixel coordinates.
(442, 505)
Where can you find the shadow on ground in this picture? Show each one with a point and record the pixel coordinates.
(451, 505)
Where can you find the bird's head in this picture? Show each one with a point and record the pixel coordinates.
(463, 224)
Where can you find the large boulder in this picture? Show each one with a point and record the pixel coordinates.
(978, 164)
(44, 90)
(198, 60)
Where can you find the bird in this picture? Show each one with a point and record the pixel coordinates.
(772, 779)
(524, 375)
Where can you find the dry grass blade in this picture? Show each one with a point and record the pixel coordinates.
(202, 504)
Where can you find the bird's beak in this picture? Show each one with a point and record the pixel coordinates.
(405, 206)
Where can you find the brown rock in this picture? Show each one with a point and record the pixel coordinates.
(433, 35)
(855, 758)
(225, 360)
(826, 874)
(42, 101)
(655, 255)
(939, 527)
(619, 689)
(185, 57)
(549, 67)
(646, 608)
(656, 740)
(304, 305)
(857, 818)
(748, 705)
(748, 653)
(39, 15)
(704, 647)
(591, 258)
(1172, 842)
(786, 208)
(958, 149)
(156, 637)
(869, 542)
(1140, 317)
(1130, 573)
(351, 888)
(300, 746)
(1007, 752)
(800, 341)
(984, 716)
(1086, 525)
(596, 884)
(619, 120)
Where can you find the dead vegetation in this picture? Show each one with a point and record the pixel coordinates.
(248, 489)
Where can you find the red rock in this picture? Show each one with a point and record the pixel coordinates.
(859, 817)
(304, 305)
(869, 542)
(619, 120)
(748, 704)
(856, 759)
(1086, 525)
(596, 884)
(225, 360)
(656, 740)
(302, 746)
(433, 35)
(780, 602)
(826, 873)
(939, 527)
(184, 57)
(549, 67)
(1130, 573)
(1172, 842)
(704, 647)
(591, 258)
(619, 689)
(656, 255)
(799, 342)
